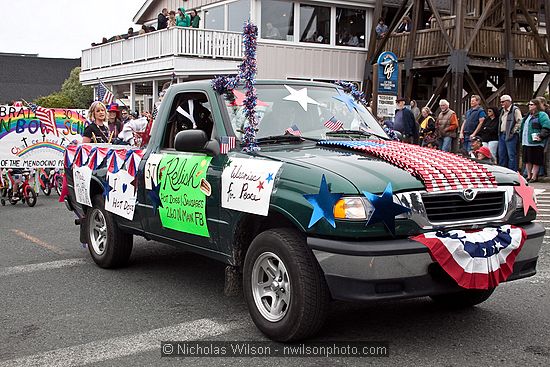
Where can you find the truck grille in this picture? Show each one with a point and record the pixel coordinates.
(453, 207)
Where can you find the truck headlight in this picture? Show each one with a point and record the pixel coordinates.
(352, 208)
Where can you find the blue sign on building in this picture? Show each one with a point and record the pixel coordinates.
(388, 73)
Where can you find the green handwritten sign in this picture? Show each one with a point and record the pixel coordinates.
(183, 190)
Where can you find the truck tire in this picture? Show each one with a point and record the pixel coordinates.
(108, 245)
(284, 286)
(463, 299)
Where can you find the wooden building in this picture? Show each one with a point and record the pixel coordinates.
(457, 48)
(322, 40)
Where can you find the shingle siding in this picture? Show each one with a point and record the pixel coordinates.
(24, 77)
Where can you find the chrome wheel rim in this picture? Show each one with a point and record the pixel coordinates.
(270, 286)
(98, 232)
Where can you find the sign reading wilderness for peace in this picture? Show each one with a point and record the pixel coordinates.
(26, 142)
(183, 191)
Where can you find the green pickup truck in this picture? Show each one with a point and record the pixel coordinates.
(328, 208)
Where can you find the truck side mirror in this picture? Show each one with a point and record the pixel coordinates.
(196, 141)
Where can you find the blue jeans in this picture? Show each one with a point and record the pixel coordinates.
(446, 144)
(507, 151)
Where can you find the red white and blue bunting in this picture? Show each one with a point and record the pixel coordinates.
(438, 170)
(476, 260)
(114, 158)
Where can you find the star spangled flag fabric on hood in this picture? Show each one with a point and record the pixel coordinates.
(334, 124)
(294, 130)
(438, 171)
(227, 143)
(476, 260)
(46, 117)
(104, 94)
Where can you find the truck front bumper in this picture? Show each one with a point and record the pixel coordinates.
(400, 268)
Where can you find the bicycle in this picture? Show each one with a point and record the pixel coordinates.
(56, 180)
(20, 190)
(4, 183)
(44, 179)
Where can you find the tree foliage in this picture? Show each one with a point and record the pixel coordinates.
(81, 96)
(72, 95)
(54, 100)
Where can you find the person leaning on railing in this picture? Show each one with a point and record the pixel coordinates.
(195, 19)
(183, 19)
(171, 19)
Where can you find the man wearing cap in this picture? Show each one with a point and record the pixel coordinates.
(405, 123)
(474, 120)
(475, 144)
(510, 121)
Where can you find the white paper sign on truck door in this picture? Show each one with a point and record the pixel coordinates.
(82, 177)
(247, 185)
(121, 199)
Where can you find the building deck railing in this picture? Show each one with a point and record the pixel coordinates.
(489, 43)
(168, 42)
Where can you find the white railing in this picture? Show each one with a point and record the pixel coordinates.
(189, 42)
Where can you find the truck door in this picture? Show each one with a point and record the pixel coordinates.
(182, 189)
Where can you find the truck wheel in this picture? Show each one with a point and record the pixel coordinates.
(108, 245)
(284, 287)
(463, 299)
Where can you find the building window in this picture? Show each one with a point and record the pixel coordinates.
(278, 20)
(350, 27)
(214, 18)
(238, 12)
(314, 24)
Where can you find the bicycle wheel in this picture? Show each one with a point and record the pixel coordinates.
(30, 196)
(46, 189)
(59, 184)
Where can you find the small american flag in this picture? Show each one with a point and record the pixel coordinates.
(334, 124)
(46, 117)
(104, 94)
(227, 143)
(294, 130)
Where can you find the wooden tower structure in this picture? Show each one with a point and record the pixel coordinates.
(457, 48)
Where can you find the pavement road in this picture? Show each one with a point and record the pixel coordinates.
(57, 308)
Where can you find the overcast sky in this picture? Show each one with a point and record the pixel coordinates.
(62, 28)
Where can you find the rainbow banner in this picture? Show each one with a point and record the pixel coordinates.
(26, 143)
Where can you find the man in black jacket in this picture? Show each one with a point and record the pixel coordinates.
(163, 19)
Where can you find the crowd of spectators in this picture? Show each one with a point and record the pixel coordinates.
(165, 20)
(490, 135)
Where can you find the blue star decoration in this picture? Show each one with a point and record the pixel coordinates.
(107, 189)
(385, 209)
(323, 204)
(346, 99)
(154, 195)
(269, 178)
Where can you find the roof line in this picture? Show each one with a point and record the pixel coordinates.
(141, 11)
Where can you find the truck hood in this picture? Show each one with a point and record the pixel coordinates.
(363, 171)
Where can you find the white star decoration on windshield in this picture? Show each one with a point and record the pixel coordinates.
(299, 96)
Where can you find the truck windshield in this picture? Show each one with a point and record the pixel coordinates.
(309, 111)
